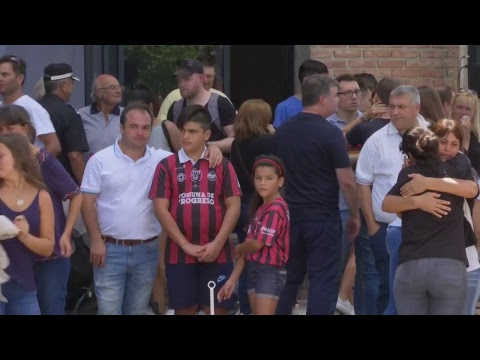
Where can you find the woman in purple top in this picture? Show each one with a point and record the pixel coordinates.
(52, 272)
(25, 201)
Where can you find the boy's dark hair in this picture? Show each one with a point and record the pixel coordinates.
(197, 114)
(135, 105)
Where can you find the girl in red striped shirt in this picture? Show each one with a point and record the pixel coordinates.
(265, 250)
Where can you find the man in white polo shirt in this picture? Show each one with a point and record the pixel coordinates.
(119, 217)
(378, 166)
(12, 77)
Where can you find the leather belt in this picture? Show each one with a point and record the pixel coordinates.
(128, 242)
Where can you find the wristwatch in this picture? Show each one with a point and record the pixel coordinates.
(364, 119)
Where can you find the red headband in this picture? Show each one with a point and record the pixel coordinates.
(271, 162)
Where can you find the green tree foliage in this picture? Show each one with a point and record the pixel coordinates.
(156, 63)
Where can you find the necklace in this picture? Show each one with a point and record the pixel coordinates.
(20, 201)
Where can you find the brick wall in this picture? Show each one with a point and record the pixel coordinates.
(414, 64)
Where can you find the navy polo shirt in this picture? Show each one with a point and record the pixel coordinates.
(311, 148)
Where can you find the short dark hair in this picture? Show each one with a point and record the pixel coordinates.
(385, 87)
(19, 66)
(345, 77)
(135, 105)
(368, 80)
(197, 114)
(311, 67)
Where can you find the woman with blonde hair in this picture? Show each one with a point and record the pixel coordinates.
(25, 201)
(253, 138)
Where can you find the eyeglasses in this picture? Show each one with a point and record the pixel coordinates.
(350, 93)
(113, 88)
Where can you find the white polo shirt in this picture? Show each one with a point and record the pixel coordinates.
(379, 164)
(122, 185)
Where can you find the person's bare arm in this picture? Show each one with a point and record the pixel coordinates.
(75, 206)
(419, 184)
(52, 144)
(78, 165)
(428, 202)
(43, 244)
(174, 134)
(225, 144)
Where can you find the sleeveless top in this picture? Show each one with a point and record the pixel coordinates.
(21, 258)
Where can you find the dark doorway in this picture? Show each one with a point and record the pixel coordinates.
(262, 72)
(474, 67)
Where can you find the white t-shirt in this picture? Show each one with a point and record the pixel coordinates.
(38, 115)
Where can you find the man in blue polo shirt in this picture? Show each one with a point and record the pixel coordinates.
(315, 154)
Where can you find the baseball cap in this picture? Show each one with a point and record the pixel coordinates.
(58, 71)
(189, 67)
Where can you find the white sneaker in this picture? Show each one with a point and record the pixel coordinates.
(345, 307)
(170, 312)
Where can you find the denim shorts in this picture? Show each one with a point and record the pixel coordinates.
(265, 280)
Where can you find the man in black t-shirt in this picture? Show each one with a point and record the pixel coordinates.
(191, 77)
(59, 84)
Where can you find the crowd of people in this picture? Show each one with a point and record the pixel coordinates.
(365, 188)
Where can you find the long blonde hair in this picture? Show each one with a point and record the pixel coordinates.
(471, 98)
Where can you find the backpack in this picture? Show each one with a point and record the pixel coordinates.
(212, 109)
(167, 135)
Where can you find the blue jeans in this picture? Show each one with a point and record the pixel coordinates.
(124, 285)
(52, 278)
(473, 291)
(382, 263)
(393, 240)
(20, 301)
(242, 281)
(367, 280)
(314, 249)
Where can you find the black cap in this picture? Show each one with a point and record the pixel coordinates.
(189, 67)
(60, 71)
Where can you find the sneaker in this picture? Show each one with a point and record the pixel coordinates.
(345, 307)
(170, 312)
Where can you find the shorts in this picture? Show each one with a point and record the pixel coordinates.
(187, 284)
(265, 281)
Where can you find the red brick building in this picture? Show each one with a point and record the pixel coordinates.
(414, 64)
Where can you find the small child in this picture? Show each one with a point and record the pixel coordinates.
(266, 248)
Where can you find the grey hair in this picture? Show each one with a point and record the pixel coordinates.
(315, 86)
(39, 89)
(407, 89)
